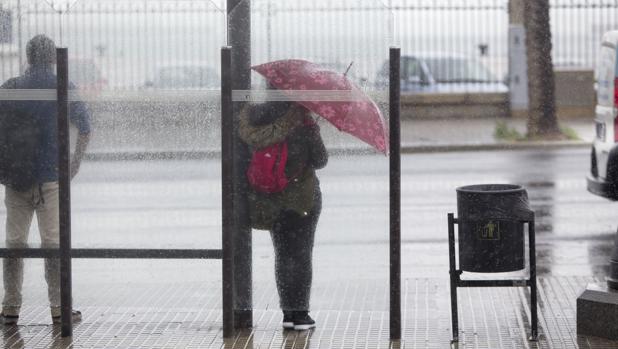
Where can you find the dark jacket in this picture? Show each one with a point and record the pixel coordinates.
(45, 112)
(269, 123)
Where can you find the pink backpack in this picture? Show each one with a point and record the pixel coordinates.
(266, 172)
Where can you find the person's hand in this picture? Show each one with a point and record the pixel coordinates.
(74, 168)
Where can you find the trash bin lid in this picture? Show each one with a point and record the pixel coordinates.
(493, 201)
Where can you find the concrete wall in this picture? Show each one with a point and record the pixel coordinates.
(454, 105)
(575, 94)
(575, 98)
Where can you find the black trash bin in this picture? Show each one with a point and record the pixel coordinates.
(491, 236)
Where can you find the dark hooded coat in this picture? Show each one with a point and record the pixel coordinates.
(270, 123)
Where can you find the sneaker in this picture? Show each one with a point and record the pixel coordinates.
(302, 321)
(288, 320)
(9, 319)
(77, 317)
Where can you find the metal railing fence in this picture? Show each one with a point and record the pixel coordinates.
(134, 44)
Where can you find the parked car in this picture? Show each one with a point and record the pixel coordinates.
(87, 77)
(185, 76)
(603, 178)
(442, 73)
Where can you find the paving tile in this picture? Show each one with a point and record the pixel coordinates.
(348, 314)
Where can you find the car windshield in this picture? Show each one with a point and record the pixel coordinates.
(187, 77)
(453, 70)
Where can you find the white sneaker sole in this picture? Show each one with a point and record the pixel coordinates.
(303, 327)
(287, 324)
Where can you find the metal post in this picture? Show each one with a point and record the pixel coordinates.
(453, 277)
(533, 292)
(227, 170)
(64, 191)
(19, 37)
(269, 45)
(518, 78)
(239, 37)
(395, 195)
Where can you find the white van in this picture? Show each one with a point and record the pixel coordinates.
(603, 179)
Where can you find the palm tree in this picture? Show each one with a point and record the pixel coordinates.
(542, 121)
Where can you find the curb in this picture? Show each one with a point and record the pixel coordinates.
(444, 148)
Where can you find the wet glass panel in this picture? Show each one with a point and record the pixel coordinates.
(462, 45)
(149, 75)
(28, 213)
(316, 70)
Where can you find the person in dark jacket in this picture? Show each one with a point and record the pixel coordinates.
(292, 215)
(42, 197)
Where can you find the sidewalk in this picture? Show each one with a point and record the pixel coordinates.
(348, 315)
(470, 134)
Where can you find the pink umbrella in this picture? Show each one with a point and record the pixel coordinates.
(359, 117)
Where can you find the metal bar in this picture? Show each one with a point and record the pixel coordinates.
(64, 191)
(239, 37)
(129, 253)
(454, 278)
(395, 194)
(227, 179)
(533, 291)
(29, 253)
(112, 253)
(493, 283)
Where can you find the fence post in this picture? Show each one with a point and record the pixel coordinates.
(64, 191)
(518, 67)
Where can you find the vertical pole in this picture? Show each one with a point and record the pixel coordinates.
(227, 170)
(239, 37)
(517, 65)
(453, 277)
(533, 292)
(269, 34)
(64, 182)
(395, 195)
(19, 34)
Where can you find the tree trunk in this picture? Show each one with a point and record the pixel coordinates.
(542, 121)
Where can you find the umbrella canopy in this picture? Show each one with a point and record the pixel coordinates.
(358, 116)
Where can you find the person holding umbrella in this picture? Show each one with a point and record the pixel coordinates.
(286, 150)
(285, 196)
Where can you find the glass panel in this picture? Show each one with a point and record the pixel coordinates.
(27, 154)
(329, 55)
(462, 44)
(148, 72)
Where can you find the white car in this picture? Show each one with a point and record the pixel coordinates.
(185, 76)
(603, 178)
(443, 73)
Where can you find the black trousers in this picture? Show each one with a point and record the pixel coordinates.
(293, 237)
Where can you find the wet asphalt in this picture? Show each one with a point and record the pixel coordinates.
(176, 204)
